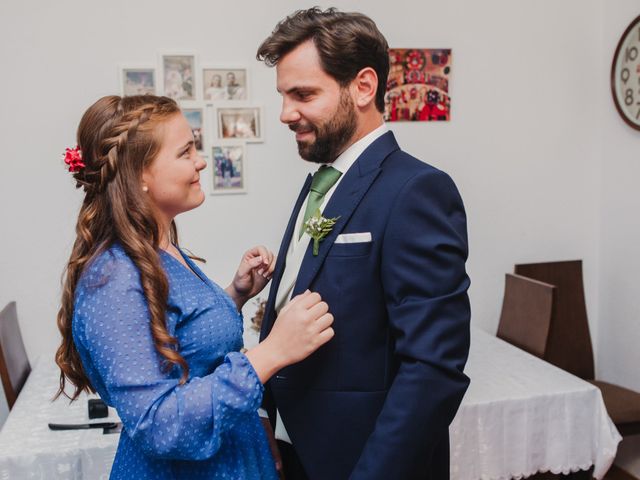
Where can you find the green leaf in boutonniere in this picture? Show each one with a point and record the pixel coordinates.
(318, 228)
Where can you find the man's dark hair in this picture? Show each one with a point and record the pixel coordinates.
(346, 43)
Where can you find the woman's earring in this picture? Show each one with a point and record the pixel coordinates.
(145, 189)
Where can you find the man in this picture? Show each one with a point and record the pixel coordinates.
(376, 401)
(234, 89)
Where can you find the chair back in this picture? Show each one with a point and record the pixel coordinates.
(569, 344)
(527, 309)
(14, 363)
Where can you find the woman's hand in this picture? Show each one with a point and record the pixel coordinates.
(273, 445)
(254, 272)
(302, 326)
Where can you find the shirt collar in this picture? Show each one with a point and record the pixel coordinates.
(351, 154)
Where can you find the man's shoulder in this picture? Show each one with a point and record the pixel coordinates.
(402, 165)
(402, 173)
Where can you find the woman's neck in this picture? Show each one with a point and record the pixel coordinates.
(165, 234)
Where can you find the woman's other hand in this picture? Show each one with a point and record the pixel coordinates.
(253, 274)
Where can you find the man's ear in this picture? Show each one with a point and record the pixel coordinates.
(364, 87)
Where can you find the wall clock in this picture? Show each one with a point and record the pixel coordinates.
(625, 75)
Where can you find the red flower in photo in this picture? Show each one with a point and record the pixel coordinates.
(73, 158)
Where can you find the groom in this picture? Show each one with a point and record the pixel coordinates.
(376, 401)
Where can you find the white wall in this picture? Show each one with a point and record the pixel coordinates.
(619, 316)
(524, 143)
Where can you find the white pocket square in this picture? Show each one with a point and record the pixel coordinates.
(354, 237)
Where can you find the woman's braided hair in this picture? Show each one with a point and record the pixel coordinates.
(118, 138)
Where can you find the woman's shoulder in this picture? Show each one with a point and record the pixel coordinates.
(111, 266)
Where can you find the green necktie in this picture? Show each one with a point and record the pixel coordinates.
(325, 178)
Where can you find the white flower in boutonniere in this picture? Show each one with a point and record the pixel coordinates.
(318, 228)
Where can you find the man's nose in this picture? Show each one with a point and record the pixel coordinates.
(289, 113)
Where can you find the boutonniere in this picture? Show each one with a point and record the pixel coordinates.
(318, 228)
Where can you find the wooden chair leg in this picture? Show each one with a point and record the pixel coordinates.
(617, 473)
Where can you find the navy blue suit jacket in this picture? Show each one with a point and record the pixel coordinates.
(376, 401)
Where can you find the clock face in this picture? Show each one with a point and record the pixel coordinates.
(625, 75)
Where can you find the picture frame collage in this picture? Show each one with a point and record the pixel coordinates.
(215, 99)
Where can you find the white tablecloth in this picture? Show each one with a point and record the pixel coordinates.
(29, 450)
(522, 415)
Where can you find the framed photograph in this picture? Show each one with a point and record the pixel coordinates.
(224, 84)
(137, 81)
(178, 76)
(418, 85)
(195, 117)
(240, 123)
(228, 168)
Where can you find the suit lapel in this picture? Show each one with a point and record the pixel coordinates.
(269, 313)
(343, 203)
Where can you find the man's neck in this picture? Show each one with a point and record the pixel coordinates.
(366, 125)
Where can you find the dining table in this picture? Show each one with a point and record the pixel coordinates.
(520, 416)
(29, 449)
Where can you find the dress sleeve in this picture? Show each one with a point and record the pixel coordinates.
(164, 418)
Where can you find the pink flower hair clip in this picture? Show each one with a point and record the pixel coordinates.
(73, 158)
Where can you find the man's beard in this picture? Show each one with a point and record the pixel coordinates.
(331, 136)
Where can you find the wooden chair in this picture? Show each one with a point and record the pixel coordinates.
(527, 309)
(569, 342)
(14, 363)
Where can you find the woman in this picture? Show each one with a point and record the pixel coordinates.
(144, 327)
(215, 90)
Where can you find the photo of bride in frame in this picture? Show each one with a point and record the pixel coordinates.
(179, 76)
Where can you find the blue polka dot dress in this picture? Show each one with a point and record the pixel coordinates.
(207, 428)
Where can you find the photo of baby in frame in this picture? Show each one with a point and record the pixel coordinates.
(195, 118)
(138, 81)
(222, 84)
(242, 122)
(179, 76)
(228, 168)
